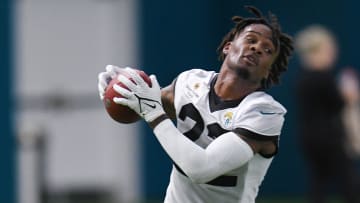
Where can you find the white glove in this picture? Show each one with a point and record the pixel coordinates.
(104, 78)
(144, 100)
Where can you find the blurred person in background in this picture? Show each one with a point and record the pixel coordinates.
(349, 86)
(228, 127)
(322, 134)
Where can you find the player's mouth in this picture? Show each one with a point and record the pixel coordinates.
(251, 59)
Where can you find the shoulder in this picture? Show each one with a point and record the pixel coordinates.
(264, 103)
(260, 113)
(188, 84)
(194, 81)
(196, 73)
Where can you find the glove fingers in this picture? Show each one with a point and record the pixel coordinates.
(101, 95)
(124, 92)
(117, 69)
(101, 90)
(113, 71)
(112, 68)
(127, 82)
(121, 101)
(154, 82)
(104, 78)
(102, 83)
(136, 77)
(108, 68)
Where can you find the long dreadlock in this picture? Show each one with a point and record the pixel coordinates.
(282, 42)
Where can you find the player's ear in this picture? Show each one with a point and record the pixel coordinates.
(226, 48)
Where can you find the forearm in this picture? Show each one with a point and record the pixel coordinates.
(224, 154)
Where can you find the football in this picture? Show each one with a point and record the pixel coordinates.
(118, 112)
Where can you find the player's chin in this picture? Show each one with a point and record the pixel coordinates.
(243, 73)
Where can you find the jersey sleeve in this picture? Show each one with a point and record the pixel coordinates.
(262, 116)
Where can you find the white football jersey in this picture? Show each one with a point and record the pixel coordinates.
(202, 117)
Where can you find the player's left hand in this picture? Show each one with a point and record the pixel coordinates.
(144, 100)
(104, 78)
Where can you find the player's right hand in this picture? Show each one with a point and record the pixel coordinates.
(138, 95)
(104, 78)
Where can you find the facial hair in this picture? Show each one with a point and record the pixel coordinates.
(243, 73)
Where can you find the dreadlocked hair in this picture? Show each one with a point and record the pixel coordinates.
(282, 42)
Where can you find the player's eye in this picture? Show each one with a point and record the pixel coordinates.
(250, 40)
(268, 51)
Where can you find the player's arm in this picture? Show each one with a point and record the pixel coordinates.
(224, 154)
(167, 99)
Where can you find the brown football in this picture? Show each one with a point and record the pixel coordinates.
(118, 112)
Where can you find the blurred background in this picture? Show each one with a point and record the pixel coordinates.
(57, 144)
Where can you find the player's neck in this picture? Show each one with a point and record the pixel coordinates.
(230, 87)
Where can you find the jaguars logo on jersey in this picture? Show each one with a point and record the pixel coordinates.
(228, 118)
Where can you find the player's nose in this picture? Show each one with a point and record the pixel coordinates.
(256, 49)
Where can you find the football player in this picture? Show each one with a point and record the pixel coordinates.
(228, 127)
